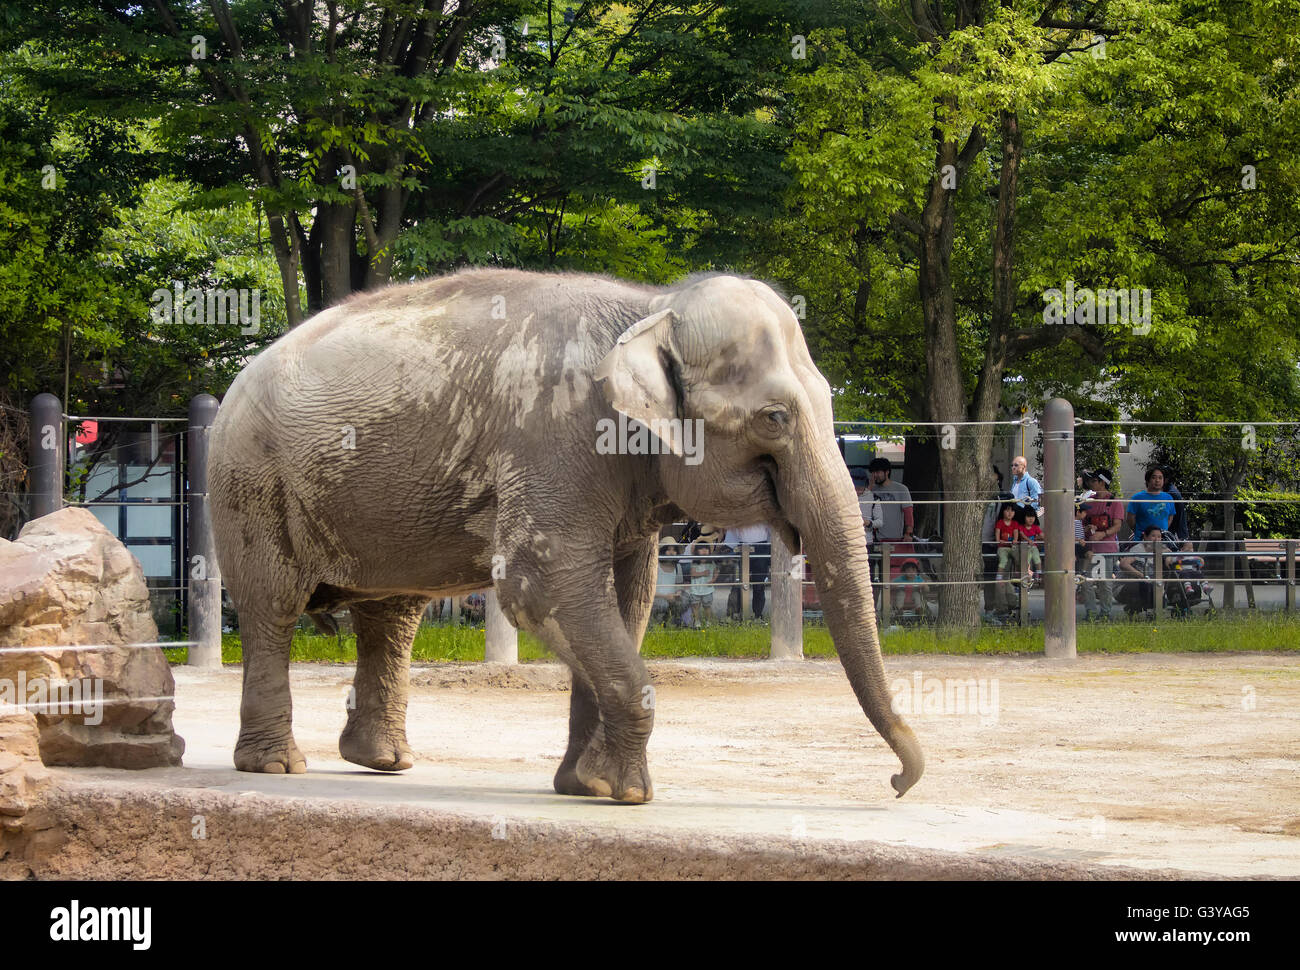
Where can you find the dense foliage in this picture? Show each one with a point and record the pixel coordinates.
(919, 179)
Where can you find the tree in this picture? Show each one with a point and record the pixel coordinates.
(391, 135)
(985, 149)
(86, 236)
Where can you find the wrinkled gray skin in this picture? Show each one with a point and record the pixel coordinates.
(476, 435)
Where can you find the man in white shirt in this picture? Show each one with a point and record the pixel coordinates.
(872, 516)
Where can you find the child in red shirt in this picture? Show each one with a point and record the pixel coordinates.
(1007, 532)
(1033, 534)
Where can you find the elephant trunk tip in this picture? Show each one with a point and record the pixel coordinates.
(909, 752)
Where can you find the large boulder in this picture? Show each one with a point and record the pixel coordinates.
(66, 581)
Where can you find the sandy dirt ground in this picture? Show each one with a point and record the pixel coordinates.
(1188, 763)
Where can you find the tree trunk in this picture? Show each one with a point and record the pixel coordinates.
(288, 258)
(964, 466)
(338, 241)
(1230, 558)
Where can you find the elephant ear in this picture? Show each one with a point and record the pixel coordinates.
(635, 373)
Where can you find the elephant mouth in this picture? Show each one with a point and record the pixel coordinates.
(769, 491)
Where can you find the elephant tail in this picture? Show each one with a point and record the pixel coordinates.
(327, 625)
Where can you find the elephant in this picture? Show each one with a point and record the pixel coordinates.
(488, 429)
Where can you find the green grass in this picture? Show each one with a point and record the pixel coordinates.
(1223, 633)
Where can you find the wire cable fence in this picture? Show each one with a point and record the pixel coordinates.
(737, 576)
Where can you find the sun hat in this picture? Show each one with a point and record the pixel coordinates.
(710, 535)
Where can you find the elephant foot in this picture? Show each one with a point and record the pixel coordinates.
(568, 783)
(277, 756)
(379, 747)
(601, 772)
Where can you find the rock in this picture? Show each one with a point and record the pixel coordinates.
(29, 833)
(67, 580)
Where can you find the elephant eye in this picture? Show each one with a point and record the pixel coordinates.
(774, 419)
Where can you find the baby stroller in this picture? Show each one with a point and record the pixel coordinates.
(1184, 583)
(1186, 586)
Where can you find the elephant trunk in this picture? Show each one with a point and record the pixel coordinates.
(820, 501)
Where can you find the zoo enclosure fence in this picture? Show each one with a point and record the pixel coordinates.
(162, 516)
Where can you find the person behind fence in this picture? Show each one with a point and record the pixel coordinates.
(910, 589)
(1024, 487)
(1082, 557)
(1006, 532)
(1139, 564)
(873, 518)
(759, 539)
(989, 540)
(669, 593)
(1178, 523)
(1103, 516)
(1152, 506)
(727, 579)
(1032, 533)
(703, 576)
(895, 503)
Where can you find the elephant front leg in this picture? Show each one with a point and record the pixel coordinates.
(634, 579)
(375, 734)
(578, 618)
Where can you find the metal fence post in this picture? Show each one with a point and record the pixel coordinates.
(204, 571)
(787, 602)
(500, 639)
(1290, 575)
(1248, 574)
(1059, 634)
(1158, 593)
(746, 596)
(1229, 574)
(46, 446)
(1022, 552)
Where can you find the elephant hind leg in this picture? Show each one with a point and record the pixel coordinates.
(375, 734)
(584, 724)
(266, 741)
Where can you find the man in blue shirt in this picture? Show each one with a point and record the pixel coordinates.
(1024, 487)
(1178, 525)
(1154, 506)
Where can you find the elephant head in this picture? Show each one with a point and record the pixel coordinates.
(728, 355)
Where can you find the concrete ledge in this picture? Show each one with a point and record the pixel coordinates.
(133, 832)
